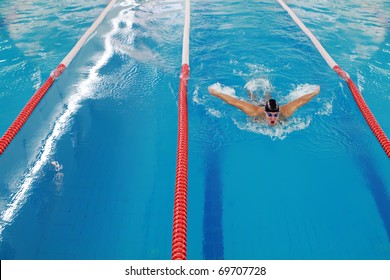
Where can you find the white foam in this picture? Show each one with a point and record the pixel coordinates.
(259, 84)
(297, 92)
(224, 89)
(57, 166)
(258, 68)
(214, 112)
(279, 131)
(360, 81)
(36, 76)
(254, 70)
(127, 3)
(327, 108)
(203, 101)
(196, 99)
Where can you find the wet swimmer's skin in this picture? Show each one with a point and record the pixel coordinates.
(271, 112)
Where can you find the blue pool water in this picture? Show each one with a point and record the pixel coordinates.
(91, 175)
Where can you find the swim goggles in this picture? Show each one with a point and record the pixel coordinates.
(269, 114)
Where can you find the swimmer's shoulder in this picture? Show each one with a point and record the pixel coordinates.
(260, 115)
(282, 116)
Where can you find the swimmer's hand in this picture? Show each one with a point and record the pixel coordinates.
(317, 90)
(213, 91)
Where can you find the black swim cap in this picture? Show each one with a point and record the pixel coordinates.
(271, 106)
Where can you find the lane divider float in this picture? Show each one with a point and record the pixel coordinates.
(179, 233)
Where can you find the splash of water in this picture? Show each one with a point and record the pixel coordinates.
(203, 101)
(224, 89)
(279, 131)
(297, 92)
(327, 108)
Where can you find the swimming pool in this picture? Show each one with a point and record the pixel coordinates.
(96, 160)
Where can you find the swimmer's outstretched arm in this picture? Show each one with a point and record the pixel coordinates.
(289, 109)
(248, 108)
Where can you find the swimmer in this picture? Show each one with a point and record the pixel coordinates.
(271, 112)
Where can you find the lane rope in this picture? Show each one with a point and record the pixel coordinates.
(179, 233)
(367, 114)
(26, 112)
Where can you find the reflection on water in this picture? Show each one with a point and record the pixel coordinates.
(59, 176)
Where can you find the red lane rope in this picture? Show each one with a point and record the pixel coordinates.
(179, 232)
(28, 109)
(375, 127)
(179, 235)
